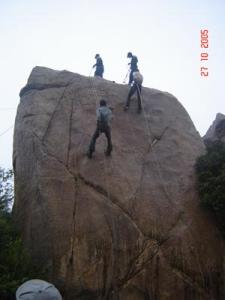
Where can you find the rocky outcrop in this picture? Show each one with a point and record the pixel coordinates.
(217, 130)
(125, 227)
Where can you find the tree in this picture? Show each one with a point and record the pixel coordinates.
(210, 170)
(15, 263)
(6, 190)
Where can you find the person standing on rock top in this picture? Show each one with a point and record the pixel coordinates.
(99, 66)
(136, 87)
(104, 115)
(133, 66)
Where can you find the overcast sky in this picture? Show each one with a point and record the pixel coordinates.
(164, 34)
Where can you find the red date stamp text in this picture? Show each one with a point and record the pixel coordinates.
(204, 57)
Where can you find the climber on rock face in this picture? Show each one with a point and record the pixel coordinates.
(99, 66)
(133, 66)
(136, 87)
(104, 115)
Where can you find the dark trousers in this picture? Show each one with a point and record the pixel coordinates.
(135, 88)
(99, 71)
(107, 131)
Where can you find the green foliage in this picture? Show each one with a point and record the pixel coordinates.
(210, 170)
(6, 190)
(15, 263)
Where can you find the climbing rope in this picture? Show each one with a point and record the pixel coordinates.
(94, 90)
(7, 108)
(6, 130)
(150, 148)
(96, 106)
(128, 72)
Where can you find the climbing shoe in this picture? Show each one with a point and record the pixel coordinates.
(89, 154)
(139, 110)
(107, 153)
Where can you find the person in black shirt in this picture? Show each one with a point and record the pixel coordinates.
(99, 66)
(133, 65)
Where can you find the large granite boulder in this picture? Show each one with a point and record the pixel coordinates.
(128, 226)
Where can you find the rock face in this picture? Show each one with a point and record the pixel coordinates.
(127, 227)
(217, 130)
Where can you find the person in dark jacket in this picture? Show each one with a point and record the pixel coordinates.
(99, 66)
(104, 115)
(133, 66)
(136, 87)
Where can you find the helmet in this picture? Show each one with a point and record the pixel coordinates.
(129, 54)
(37, 289)
(97, 55)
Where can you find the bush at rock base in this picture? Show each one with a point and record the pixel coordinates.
(15, 263)
(210, 170)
